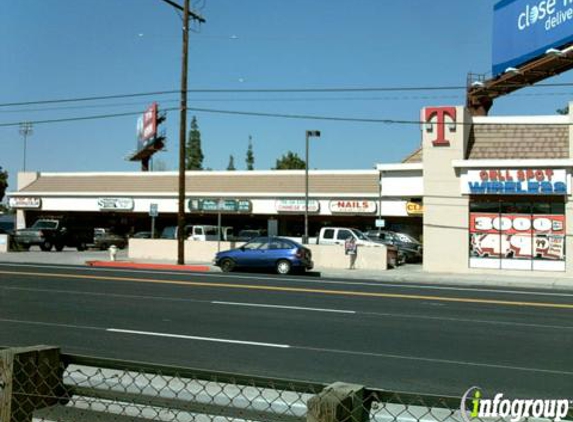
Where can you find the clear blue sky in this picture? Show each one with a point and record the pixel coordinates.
(55, 49)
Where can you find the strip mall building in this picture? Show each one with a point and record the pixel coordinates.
(495, 193)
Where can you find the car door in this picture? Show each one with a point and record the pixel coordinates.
(253, 253)
(277, 250)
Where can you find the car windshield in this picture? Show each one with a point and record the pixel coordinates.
(211, 231)
(402, 237)
(361, 236)
(44, 224)
(257, 243)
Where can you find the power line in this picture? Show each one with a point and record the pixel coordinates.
(272, 115)
(266, 90)
(276, 99)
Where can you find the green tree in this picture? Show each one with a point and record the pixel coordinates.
(194, 158)
(3, 183)
(231, 165)
(564, 110)
(250, 160)
(290, 161)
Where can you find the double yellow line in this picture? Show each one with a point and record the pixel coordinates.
(295, 290)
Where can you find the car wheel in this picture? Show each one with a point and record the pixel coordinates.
(227, 265)
(46, 246)
(59, 247)
(283, 267)
(82, 247)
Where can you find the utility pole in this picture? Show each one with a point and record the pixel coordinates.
(26, 129)
(187, 14)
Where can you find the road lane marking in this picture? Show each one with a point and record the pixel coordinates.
(435, 360)
(298, 308)
(298, 290)
(358, 313)
(50, 324)
(303, 348)
(470, 321)
(210, 339)
(302, 280)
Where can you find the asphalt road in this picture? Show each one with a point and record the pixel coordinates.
(426, 339)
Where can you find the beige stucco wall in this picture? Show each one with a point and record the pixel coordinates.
(4, 243)
(445, 210)
(324, 256)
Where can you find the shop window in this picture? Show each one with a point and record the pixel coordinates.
(518, 235)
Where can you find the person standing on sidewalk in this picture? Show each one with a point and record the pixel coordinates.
(351, 249)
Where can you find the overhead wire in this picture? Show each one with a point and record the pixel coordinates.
(269, 115)
(261, 90)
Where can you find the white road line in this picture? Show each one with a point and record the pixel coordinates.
(434, 360)
(50, 324)
(302, 280)
(297, 308)
(212, 339)
(468, 321)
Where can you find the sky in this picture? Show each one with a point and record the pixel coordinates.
(59, 49)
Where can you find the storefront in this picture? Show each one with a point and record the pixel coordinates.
(268, 201)
(497, 192)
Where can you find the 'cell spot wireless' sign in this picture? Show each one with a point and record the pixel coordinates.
(515, 182)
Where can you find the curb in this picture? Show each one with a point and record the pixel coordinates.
(146, 266)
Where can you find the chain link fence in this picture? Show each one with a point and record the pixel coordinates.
(40, 384)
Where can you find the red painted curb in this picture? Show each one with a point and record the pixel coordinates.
(138, 265)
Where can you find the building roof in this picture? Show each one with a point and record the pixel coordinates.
(214, 183)
(415, 157)
(511, 141)
(502, 141)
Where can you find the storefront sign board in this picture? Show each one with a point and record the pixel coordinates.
(522, 181)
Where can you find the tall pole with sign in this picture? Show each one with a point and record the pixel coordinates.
(309, 133)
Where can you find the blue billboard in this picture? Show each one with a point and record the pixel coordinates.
(526, 29)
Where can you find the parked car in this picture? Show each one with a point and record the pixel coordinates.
(411, 248)
(142, 235)
(103, 240)
(196, 232)
(338, 235)
(277, 253)
(48, 233)
(246, 235)
(2, 231)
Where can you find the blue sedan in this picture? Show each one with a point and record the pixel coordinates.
(282, 255)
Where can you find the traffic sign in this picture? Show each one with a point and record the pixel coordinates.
(153, 210)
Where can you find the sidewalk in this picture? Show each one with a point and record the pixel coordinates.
(414, 274)
(406, 274)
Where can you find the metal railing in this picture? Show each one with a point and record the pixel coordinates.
(40, 384)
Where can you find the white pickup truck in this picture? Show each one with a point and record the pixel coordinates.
(338, 235)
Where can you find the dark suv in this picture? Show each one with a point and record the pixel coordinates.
(406, 244)
(48, 233)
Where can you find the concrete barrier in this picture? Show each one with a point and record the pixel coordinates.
(324, 256)
(4, 243)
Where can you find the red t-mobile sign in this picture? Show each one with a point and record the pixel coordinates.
(439, 114)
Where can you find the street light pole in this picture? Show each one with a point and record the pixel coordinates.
(26, 130)
(309, 133)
